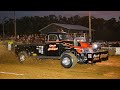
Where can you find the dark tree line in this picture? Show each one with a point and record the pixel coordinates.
(105, 29)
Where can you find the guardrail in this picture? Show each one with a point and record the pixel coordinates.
(113, 50)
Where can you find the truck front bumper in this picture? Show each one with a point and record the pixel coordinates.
(97, 56)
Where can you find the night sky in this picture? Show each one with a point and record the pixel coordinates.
(98, 14)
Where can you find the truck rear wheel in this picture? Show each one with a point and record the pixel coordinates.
(68, 60)
(22, 56)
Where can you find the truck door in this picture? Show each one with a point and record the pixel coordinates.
(53, 45)
(53, 49)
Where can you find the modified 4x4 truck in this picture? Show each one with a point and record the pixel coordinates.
(60, 46)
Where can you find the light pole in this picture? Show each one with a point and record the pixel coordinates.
(3, 29)
(15, 24)
(3, 26)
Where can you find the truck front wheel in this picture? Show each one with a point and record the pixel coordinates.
(68, 60)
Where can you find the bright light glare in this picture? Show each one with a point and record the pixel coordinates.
(95, 46)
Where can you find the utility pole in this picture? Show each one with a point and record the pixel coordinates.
(90, 36)
(3, 20)
(15, 24)
(3, 29)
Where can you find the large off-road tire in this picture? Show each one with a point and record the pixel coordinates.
(68, 60)
(22, 56)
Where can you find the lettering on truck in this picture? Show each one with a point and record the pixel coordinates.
(52, 47)
(96, 57)
(103, 55)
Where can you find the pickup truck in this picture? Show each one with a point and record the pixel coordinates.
(60, 46)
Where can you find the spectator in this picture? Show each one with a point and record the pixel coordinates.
(117, 44)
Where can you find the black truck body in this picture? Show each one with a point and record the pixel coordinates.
(60, 48)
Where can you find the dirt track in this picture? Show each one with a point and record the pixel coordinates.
(10, 68)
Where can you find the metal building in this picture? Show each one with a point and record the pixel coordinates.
(56, 27)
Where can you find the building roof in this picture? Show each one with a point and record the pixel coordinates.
(68, 26)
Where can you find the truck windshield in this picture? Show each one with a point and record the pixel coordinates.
(65, 37)
(80, 39)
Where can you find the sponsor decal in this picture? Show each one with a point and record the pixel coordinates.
(96, 57)
(103, 55)
(40, 49)
(89, 55)
(52, 47)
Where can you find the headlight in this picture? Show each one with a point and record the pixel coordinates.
(95, 46)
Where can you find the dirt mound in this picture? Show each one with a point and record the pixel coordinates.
(7, 56)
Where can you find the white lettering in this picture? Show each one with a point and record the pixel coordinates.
(103, 55)
(40, 49)
(54, 49)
